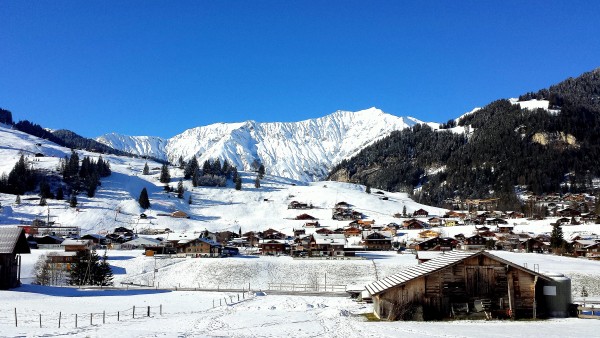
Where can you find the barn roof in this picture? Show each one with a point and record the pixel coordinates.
(441, 262)
(13, 241)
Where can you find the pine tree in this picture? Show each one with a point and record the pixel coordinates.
(190, 168)
(207, 168)
(45, 189)
(143, 200)
(60, 194)
(180, 190)
(18, 199)
(83, 269)
(368, 189)
(104, 274)
(234, 174)
(73, 200)
(181, 162)
(43, 202)
(238, 183)
(404, 210)
(190, 200)
(261, 171)
(556, 237)
(165, 176)
(146, 170)
(257, 183)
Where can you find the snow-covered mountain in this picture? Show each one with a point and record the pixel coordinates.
(304, 150)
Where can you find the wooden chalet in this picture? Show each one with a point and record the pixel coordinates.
(352, 232)
(421, 213)
(12, 244)
(327, 245)
(73, 245)
(474, 243)
(436, 244)
(299, 205)
(272, 234)
(534, 245)
(377, 240)
(199, 247)
(274, 247)
(568, 212)
(462, 284)
(413, 224)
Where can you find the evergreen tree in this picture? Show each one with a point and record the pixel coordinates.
(190, 168)
(73, 201)
(104, 274)
(226, 168)
(180, 190)
(18, 200)
(404, 210)
(261, 171)
(190, 199)
(556, 237)
(165, 176)
(216, 167)
(257, 182)
(143, 200)
(207, 168)
(43, 202)
(83, 269)
(234, 174)
(238, 183)
(195, 178)
(368, 189)
(45, 189)
(146, 170)
(60, 194)
(181, 162)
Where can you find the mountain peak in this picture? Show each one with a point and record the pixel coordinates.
(303, 150)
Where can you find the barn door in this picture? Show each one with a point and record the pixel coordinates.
(479, 280)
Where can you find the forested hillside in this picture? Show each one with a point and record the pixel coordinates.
(544, 151)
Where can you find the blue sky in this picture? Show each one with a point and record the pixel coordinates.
(160, 67)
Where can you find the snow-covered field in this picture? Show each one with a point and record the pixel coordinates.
(211, 314)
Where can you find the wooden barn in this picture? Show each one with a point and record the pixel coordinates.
(12, 244)
(462, 284)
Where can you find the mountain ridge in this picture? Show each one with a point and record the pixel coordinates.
(303, 150)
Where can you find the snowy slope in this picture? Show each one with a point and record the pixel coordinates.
(151, 146)
(303, 150)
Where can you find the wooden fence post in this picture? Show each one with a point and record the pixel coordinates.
(133, 316)
(161, 308)
(118, 315)
(16, 322)
(40, 320)
(59, 317)
(104, 317)
(75, 320)
(148, 315)
(91, 322)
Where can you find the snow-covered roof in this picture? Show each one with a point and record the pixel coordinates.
(9, 240)
(339, 239)
(143, 241)
(431, 266)
(75, 242)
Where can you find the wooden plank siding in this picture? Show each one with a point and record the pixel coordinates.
(507, 291)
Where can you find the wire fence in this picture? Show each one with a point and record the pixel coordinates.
(26, 318)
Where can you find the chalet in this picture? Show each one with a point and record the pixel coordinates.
(73, 245)
(327, 245)
(435, 221)
(96, 239)
(274, 247)
(593, 251)
(305, 217)
(377, 240)
(315, 224)
(49, 240)
(12, 244)
(299, 232)
(251, 238)
(414, 224)
(272, 234)
(179, 214)
(455, 214)
(323, 231)
(534, 245)
(342, 205)
(567, 212)
(505, 228)
(298, 205)
(450, 222)
(515, 214)
(199, 247)
(494, 221)
(474, 243)
(468, 285)
(421, 213)
(140, 243)
(226, 236)
(580, 246)
(428, 234)
(352, 232)
(437, 244)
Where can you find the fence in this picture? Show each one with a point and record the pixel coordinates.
(325, 288)
(27, 318)
(588, 312)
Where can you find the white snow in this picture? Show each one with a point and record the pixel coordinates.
(303, 150)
